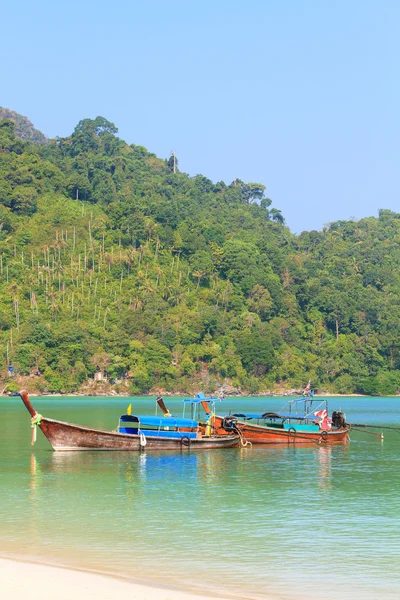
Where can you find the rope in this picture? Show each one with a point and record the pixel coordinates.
(243, 442)
(379, 435)
(35, 421)
(352, 425)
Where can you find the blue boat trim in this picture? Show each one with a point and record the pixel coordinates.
(301, 427)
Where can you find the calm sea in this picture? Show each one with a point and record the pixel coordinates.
(314, 522)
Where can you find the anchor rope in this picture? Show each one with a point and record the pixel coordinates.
(243, 442)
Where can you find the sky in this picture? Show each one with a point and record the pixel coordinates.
(300, 95)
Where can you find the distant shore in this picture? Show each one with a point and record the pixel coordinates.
(179, 395)
(38, 581)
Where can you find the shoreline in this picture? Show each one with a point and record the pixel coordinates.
(21, 578)
(171, 395)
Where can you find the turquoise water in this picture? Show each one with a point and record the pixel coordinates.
(315, 522)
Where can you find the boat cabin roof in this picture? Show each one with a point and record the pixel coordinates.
(201, 398)
(155, 421)
(298, 409)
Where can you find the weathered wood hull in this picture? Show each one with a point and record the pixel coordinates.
(66, 437)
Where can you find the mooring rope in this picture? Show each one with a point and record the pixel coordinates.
(379, 435)
(353, 425)
(243, 442)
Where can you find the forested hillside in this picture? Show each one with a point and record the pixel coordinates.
(114, 264)
(23, 127)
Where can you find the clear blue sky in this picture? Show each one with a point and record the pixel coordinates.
(301, 95)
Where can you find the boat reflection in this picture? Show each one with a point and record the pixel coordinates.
(35, 483)
(36, 475)
(324, 454)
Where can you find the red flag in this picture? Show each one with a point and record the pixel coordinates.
(324, 421)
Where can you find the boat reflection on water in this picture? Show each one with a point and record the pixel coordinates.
(34, 506)
(324, 454)
(36, 475)
(152, 466)
(167, 468)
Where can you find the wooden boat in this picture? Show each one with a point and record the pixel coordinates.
(300, 422)
(134, 433)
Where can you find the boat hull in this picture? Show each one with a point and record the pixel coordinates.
(68, 437)
(262, 434)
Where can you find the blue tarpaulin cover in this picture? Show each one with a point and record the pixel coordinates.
(159, 432)
(150, 421)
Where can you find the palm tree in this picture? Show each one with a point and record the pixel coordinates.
(200, 274)
(15, 290)
(54, 307)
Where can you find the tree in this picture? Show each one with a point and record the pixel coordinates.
(88, 134)
(172, 163)
(101, 360)
(276, 215)
(250, 191)
(260, 301)
(256, 352)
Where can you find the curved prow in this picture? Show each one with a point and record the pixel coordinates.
(164, 409)
(26, 401)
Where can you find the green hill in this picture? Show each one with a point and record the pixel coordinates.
(114, 266)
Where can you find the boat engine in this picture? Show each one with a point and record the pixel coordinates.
(229, 422)
(338, 419)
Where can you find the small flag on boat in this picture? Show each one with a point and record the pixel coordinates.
(308, 386)
(324, 421)
(129, 410)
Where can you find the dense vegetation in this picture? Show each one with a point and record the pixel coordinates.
(23, 127)
(114, 262)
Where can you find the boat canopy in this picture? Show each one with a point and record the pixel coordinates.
(195, 400)
(304, 399)
(308, 405)
(201, 398)
(150, 421)
(248, 416)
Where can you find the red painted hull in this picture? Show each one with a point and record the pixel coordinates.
(262, 434)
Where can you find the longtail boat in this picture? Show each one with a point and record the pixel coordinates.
(134, 433)
(302, 421)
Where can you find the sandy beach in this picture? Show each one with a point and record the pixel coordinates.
(21, 580)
